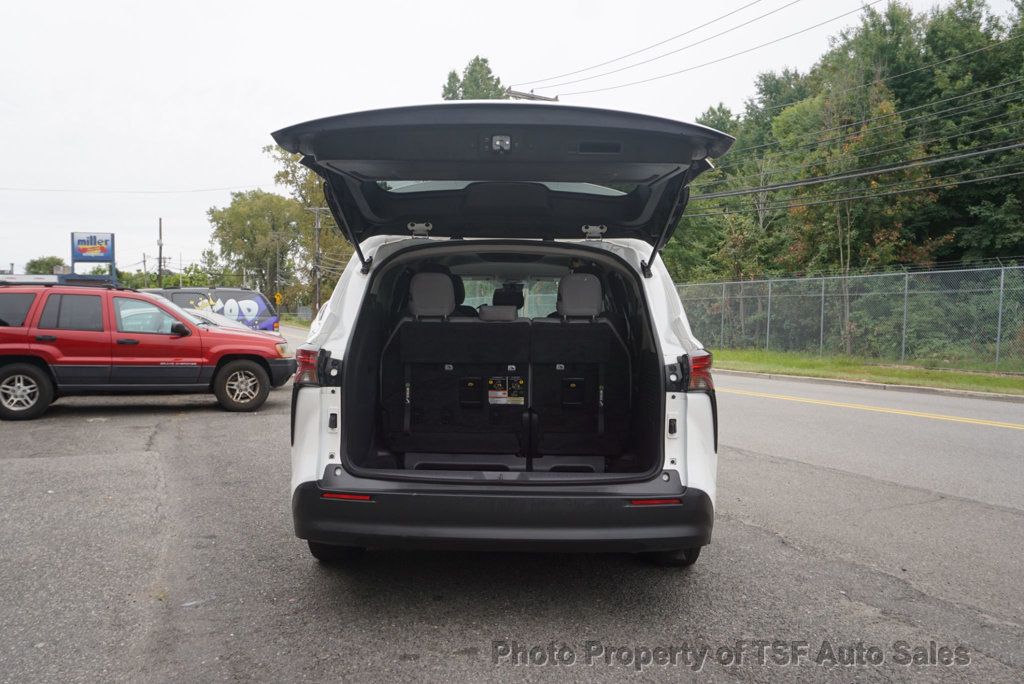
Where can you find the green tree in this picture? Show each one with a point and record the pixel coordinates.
(477, 82)
(43, 265)
(306, 187)
(256, 234)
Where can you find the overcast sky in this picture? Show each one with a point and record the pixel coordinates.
(97, 97)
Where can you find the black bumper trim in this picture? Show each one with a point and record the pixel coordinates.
(281, 370)
(458, 517)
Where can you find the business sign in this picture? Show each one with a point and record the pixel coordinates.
(92, 247)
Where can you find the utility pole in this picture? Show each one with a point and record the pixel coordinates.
(160, 254)
(181, 269)
(277, 262)
(145, 273)
(316, 259)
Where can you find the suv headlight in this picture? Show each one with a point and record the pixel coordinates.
(283, 349)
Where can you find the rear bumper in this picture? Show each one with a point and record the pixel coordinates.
(281, 370)
(561, 518)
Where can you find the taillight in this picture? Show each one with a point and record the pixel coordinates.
(700, 371)
(344, 496)
(655, 502)
(306, 361)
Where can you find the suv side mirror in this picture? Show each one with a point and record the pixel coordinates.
(180, 329)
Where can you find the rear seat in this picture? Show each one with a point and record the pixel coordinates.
(581, 375)
(453, 384)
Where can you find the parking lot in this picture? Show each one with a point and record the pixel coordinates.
(150, 538)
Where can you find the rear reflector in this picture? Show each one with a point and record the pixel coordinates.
(655, 502)
(346, 497)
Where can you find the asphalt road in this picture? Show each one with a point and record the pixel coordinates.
(150, 539)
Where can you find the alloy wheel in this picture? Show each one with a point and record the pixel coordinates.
(19, 392)
(242, 386)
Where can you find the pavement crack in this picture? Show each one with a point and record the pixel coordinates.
(867, 478)
(890, 507)
(898, 599)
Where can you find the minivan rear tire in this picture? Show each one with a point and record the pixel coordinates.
(677, 558)
(330, 553)
(241, 385)
(20, 382)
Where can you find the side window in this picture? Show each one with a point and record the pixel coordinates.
(13, 308)
(137, 316)
(73, 312)
(190, 300)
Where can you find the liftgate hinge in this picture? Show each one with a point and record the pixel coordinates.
(419, 229)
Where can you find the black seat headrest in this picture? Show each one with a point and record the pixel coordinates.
(509, 294)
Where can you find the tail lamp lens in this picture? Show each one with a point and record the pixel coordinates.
(700, 371)
(306, 363)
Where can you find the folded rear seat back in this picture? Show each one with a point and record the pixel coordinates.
(455, 384)
(581, 375)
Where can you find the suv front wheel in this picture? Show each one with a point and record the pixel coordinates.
(241, 385)
(25, 391)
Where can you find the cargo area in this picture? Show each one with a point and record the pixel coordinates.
(521, 358)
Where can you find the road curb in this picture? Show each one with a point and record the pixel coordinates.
(993, 396)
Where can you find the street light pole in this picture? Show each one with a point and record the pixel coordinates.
(160, 254)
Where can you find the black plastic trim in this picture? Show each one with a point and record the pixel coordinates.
(281, 370)
(599, 518)
(295, 401)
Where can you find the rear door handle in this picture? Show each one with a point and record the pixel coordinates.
(46, 338)
(127, 340)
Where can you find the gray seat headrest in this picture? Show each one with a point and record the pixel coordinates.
(431, 294)
(579, 295)
(490, 312)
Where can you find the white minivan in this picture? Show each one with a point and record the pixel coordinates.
(504, 364)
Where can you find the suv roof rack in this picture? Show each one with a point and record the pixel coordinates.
(60, 281)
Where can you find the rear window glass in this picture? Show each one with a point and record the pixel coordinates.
(72, 312)
(191, 300)
(539, 294)
(411, 186)
(14, 307)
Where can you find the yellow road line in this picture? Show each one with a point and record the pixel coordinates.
(876, 409)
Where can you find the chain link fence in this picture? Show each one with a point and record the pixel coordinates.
(969, 318)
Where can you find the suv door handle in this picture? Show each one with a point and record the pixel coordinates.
(127, 340)
(46, 338)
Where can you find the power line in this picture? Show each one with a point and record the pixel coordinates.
(637, 52)
(901, 112)
(866, 196)
(842, 195)
(940, 62)
(878, 150)
(949, 111)
(727, 57)
(859, 173)
(672, 52)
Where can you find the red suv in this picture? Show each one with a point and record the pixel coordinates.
(59, 340)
